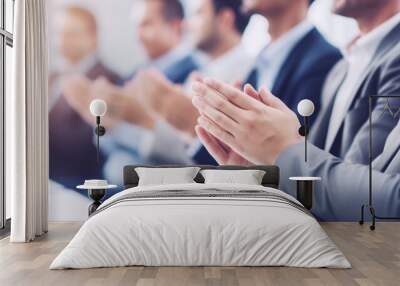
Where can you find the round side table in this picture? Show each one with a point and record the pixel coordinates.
(305, 189)
(96, 194)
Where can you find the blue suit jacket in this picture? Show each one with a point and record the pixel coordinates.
(304, 72)
(301, 76)
(179, 71)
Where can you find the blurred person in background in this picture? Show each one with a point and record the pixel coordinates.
(216, 28)
(297, 60)
(71, 147)
(160, 29)
(161, 32)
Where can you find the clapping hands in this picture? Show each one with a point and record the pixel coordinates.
(255, 126)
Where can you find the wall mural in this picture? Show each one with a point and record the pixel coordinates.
(141, 60)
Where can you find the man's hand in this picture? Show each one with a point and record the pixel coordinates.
(122, 107)
(257, 131)
(153, 89)
(222, 153)
(165, 99)
(179, 112)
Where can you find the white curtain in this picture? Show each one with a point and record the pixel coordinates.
(27, 124)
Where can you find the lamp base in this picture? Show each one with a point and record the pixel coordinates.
(96, 195)
(305, 191)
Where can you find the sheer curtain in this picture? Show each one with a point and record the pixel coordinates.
(27, 124)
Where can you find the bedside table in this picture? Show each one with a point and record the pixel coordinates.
(305, 189)
(97, 190)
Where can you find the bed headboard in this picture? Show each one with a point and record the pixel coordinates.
(271, 178)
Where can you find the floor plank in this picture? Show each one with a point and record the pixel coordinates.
(375, 257)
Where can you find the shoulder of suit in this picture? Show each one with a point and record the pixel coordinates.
(320, 56)
(319, 48)
(180, 70)
(390, 47)
(393, 53)
(188, 60)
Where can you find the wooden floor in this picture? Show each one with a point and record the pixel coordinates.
(375, 257)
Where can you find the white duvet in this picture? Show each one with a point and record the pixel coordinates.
(200, 232)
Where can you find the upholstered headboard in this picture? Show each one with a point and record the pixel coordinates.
(271, 178)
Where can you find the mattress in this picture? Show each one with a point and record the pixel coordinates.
(201, 225)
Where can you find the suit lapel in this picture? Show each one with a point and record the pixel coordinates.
(319, 129)
(332, 84)
(392, 166)
(388, 42)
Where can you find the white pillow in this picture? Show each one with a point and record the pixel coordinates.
(166, 176)
(243, 177)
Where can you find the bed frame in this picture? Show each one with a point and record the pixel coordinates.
(271, 178)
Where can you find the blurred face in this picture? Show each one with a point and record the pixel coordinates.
(357, 8)
(155, 33)
(266, 8)
(203, 26)
(76, 39)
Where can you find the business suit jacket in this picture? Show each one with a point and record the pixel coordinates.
(71, 145)
(304, 71)
(341, 165)
(177, 72)
(301, 76)
(380, 78)
(180, 71)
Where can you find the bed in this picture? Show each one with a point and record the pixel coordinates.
(199, 224)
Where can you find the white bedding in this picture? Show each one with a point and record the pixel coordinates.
(200, 231)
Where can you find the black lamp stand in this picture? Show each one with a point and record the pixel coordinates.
(99, 131)
(303, 131)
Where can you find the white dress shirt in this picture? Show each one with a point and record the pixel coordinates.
(274, 55)
(358, 57)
